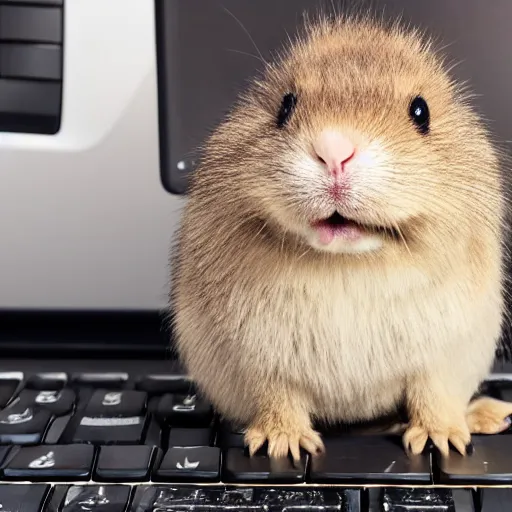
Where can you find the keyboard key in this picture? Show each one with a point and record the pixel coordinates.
(233, 499)
(110, 430)
(23, 424)
(176, 499)
(490, 463)
(240, 467)
(112, 404)
(189, 464)
(311, 500)
(46, 381)
(114, 380)
(63, 462)
(421, 499)
(190, 437)
(125, 463)
(184, 411)
(100, 498)
(495, 500)
(113, 417)
(23, 497)
(58, 402)
(369, 459)
(175, 381)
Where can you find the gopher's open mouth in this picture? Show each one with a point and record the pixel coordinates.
(338, 226)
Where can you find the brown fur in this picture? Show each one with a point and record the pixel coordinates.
(277, 333)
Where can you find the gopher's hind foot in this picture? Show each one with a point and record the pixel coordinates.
(487, 415)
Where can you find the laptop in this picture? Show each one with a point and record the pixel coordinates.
(103, 104)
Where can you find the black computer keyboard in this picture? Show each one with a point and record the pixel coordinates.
(117, 441)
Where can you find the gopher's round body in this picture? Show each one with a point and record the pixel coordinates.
(279, 325)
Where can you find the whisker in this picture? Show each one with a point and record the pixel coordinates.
(246, 53)
(247, 32)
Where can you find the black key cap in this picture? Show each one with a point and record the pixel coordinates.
(185, 411)
(175, 381)
(23, 497)
(58, 402)
(239, 467)
(311, 500)
(114, 404)
(125, 463)
(110, 430)
(113, 417)
(230, 436)
(7, 389)
(190, 437)
(189, 464)
(495, 500)
(369, 459)
(491, 462)
(181, 499)
(23, 424)
(101, 498)
(233, 499)
(63, 462)
(46, 381)
(35, 24)
(112, 380)
(395, 499)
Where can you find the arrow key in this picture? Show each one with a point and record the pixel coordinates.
(190, 464)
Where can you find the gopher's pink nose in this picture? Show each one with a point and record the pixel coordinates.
(335, 150)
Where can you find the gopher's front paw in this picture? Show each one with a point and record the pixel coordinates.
(282, 441)
(458, 435)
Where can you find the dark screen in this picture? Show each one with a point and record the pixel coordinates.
(206, 55)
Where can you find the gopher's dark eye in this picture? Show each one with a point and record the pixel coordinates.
(286, 109)
(420, 115)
